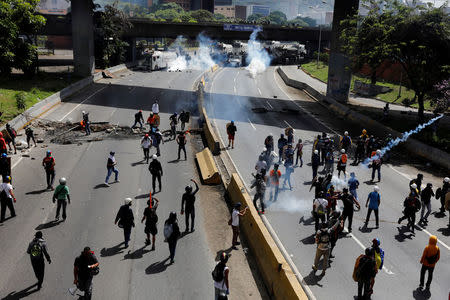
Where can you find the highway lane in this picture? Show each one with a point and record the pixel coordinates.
(233, 94)
(133, 273)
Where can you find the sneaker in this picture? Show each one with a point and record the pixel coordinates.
(349, 230)
(117, 180)
(314, 268)
(107, 184)
(234, 248)
(399, 220)
(153, 247)
(263, 212)
(56, 218)
(421, 286)
(147, 241)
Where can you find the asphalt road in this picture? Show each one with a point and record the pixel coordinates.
(133, 273)
(231, 96)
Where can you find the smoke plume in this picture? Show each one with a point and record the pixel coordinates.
(200, 60)
(258, 59)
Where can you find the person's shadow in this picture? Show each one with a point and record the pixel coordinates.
(421, 294)
(309, 240)
(47, 225)
(157, 267)
(401, 236)
(313, 279)
(112, 251)
(21, 294)
(138, 253)
(38, 192)
(306, 222)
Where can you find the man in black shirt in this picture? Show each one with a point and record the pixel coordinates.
(151, 219)
(181, 141)
(156, 170)
(37, 249)
(83, 269)
(187, 204)
(125, 218)
(348, 200)
(138, 118)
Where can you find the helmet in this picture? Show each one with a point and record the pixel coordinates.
(232, 122)
(376, 241)
(188, 189)
(316, 151)
(128, 201)
(140, 110)
(83, 112)
(151, 113)
(146, 135)
(224, 257)
(49, 152)
(172, 216)
(346, 133)
(446, 179)
(237, 205)
(378, 151)
(376, 188)
(342, 151)
(62, 180)
(8, 179)
(414, 186)
(112, 153)
(364, 131)
(4, 155)
(154, 156)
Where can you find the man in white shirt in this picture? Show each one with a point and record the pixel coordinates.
(261, 165)
(235, 223)
(319, 210)
(155, 107)
(6, 198)
(146, 143)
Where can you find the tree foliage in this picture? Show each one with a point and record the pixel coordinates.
(303, 21)
(18, 25)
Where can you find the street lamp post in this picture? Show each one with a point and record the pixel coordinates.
(318, 51)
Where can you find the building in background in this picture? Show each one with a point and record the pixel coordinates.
(53, 7)
(202, 4)
(328, 17)
(240, 12)
(223, 3)
(149, 3)
(185, 4)
(226, 10)
(258, 9)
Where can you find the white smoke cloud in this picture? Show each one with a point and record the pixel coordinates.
(258, 59)
(200, 61)
(289, 203)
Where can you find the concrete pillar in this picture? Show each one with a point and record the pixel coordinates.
(83, 37)
(339, 67)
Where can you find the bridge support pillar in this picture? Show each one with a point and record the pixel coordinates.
(339, 67)
(83, 37)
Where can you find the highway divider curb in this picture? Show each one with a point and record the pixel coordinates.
(414, 146)
(48, 103)
(278, 276)
(209, 172)
(210, 135)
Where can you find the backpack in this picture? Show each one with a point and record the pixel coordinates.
(217, 273)
(168, 230)
(36, 250)
(324, 237)
(320, 209)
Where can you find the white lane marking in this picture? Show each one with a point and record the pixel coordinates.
(400, 173)
(439, 241)
(259, 91)
(234, 89)
(289, 125)
(269, 104)
(82, 102)
(17, 162)
(251, 123)
(132, 90)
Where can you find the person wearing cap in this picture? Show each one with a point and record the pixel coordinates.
(49, 165)
(111, 167)
(61, 195)
(172, 234)
(231, 131)
(187, 205)
(234, 222)
(342, 164)
(7, 198)
(83, 271)
(156, 170)
(151, 220)
(346, 142)
(315, 162)
(138, 118)
(146, 143)
(86, 122)
(3, 147)
(181, 141)
(377, 161)
(411, 205)
(37, 249)
(125, 219)
(5, 166)
(373, 202)
(221, 273)
(425, 197)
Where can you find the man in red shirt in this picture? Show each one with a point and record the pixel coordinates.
(274, 181)
(3, 148)
(49, 165)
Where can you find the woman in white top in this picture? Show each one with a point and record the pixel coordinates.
(221, 271)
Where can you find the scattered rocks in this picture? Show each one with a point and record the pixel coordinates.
(40, 141)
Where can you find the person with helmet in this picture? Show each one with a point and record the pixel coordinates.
(319, 210)
(274, 182)
(111, 167)
(37, 249)
(86, 122)
(345, 142)
(379, 260)
(187, 205)
(156, 170)
(82, 271)
(268, 143)
(172, 234)
(373, 202)
(342, 163)
(11, 139)
(151, 219)
(5, 166)
(414, 191)
(146, 143)
(418, 181)
(138, 118)
(377, 161)
(49, 165)
(411, 205)
(125, 219)
(61, 195)
(6, 198)
(260, 186)
(234, 223)
(220, 276)
(348, 200)
(30, 135)
(425, 197)
(231, 131)
(173, 125)
(315, 162)
(299, 149)
(182, 141)
(155, 107)
(442, 192)
(3, 147)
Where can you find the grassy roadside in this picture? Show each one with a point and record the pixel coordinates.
(321, 73)
(33, 90)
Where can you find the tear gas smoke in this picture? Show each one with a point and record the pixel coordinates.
(289, 203)
(338, 183)
(403, 138)
(202, 60)
(258, 59)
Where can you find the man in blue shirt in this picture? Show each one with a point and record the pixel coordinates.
(373, 201)
(353, 184)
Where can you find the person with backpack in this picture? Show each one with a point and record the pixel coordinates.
(348, 200)
(151, 220)
(346, 142)
(49, 165)
(363, 272)
(138, 118)
(5, 166)
(336, 224)
(319, 210)
(220, 276)
(3, 147)
(111, 167)
(61, 195)
(184, 118)
(379, 260)
(84, 268)
(260, 186)
(299, 149)
(6, 198)
(411, 207)
(125, 219)
(342, 164)
(274, 182)
(30, 135)
(171, 234)
(418, 181)
(86, 122)
(181, 141)
(12, 137)
(157, 140)
(156, 170)
(373, 202)
(234, 223)
(146, 143)
(37, 249)
(430, 257)
(353, 185)
(425, 197)
(187, 205)
(323, 247)
(231, 131)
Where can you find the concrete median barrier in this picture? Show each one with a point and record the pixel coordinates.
(211, 138)
(278, 276)
(207, 166)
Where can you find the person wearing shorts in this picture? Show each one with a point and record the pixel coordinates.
(151, 221)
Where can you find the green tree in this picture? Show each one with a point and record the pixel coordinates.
(202, 15)
(277, 17)
(168, 14)
(18, 25)
(164, 6)
(220, 17)
(299, 21)
(254, 17)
